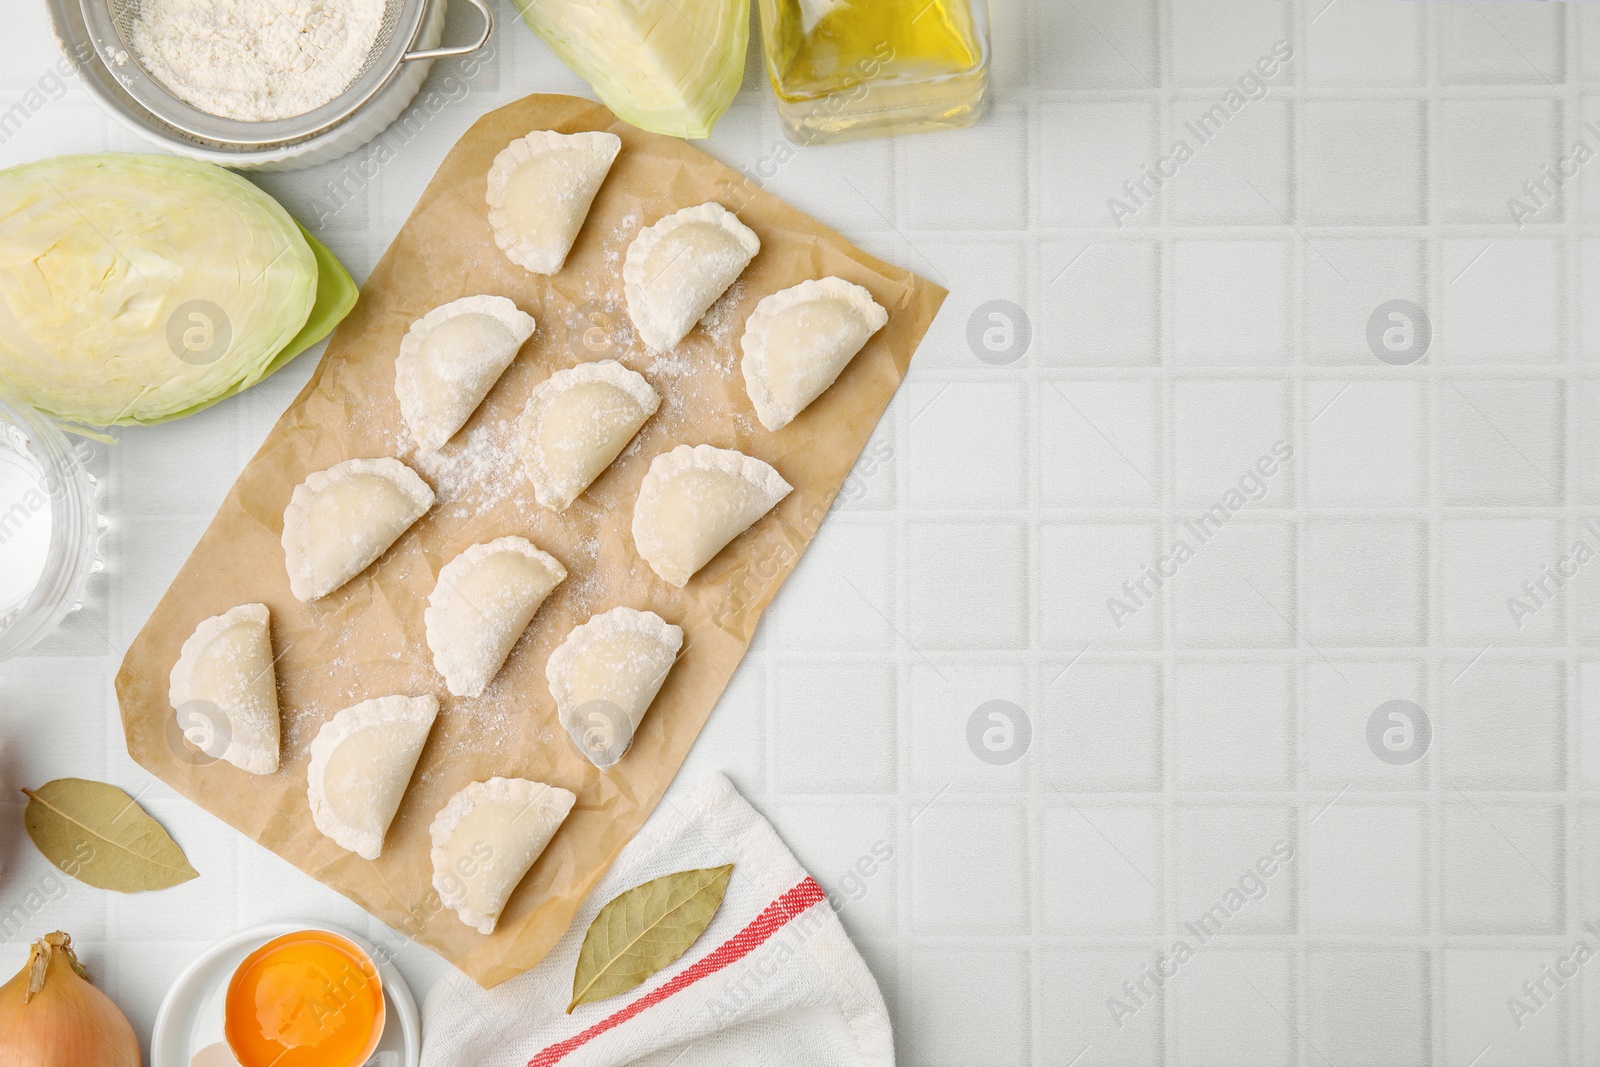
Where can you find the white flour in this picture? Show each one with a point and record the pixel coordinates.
(256, 60)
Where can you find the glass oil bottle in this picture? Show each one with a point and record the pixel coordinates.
(848, 69)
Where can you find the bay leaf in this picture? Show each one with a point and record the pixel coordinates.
(645, 929)
(97, 834)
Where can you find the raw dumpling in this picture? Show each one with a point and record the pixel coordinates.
(224, 685)
(484, 599)
(604, 676)
(540, 189)
(577, 421)
(339, 520)
(486, 839)
(798, 340)
(451, 358)
(676, 269)
(694, 500)
(361, 763)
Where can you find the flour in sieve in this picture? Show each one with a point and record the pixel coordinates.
(256, 60)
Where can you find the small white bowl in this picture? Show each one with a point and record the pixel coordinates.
(190, 1019)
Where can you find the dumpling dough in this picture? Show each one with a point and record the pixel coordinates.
(694, 500)
(577, 421)
(361, 763)
(540, 190)
(797, 341)
(451, 358)
(676, 269)
(605, 675)
(484, 599)
(339, 520)
(224, 674)
(487, 838)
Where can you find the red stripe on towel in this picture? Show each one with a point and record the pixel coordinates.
(772, 919)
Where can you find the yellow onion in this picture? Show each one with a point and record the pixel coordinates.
(50, 1016)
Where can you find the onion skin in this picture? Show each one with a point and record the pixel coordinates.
(51, 1016)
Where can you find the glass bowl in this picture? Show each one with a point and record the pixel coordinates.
(49, 527)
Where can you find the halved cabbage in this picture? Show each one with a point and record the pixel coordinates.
(141, 288)
(668, 66)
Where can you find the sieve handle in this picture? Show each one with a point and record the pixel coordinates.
(459, 50)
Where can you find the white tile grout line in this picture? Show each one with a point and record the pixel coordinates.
(1166, 289)
(1431, 664)
(1035, 1044)
(1299, 486)
(1572, 207)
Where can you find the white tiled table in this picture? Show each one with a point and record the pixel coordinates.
(1001, 505)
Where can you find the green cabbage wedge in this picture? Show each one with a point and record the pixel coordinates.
(667, 66)
(142, 288)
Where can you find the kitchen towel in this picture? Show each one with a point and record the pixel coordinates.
(773, 980)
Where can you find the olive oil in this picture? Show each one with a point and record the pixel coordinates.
(843, 69)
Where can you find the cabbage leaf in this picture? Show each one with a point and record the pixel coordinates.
(667, 66)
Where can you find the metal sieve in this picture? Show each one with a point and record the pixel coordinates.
(109, 24)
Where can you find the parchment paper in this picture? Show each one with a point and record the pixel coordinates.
(367, 639)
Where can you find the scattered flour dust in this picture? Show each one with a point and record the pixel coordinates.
(479, 472)
(719, 323)
(725, 325)
(256, 60)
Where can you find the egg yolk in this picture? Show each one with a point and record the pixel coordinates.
(310, 999)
